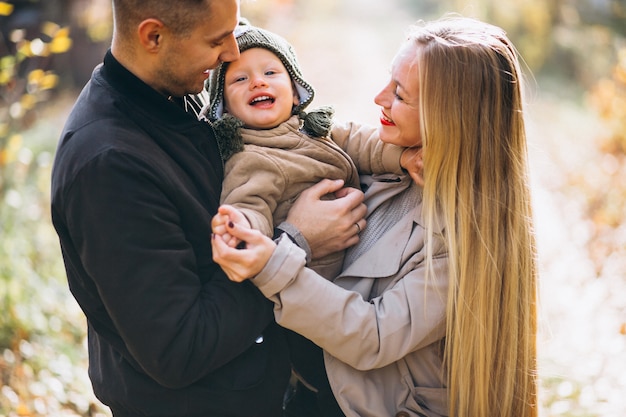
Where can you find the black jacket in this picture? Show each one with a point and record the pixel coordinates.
(135, 183)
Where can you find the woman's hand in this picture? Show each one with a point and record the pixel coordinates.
(412, 161)
(245, 259)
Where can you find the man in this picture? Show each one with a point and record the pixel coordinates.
(136, 181)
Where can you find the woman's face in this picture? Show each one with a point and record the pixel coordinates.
(400, 118)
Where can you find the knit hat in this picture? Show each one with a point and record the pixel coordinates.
(248, 37)
(316, 123)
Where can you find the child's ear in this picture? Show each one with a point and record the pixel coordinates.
(296, 98)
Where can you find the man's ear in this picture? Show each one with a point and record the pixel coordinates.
(150, 33)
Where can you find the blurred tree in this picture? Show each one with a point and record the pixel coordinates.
(605, 191)
(570, 40)
(40, 335)
(27, 44)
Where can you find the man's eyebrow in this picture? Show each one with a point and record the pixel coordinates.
(222, 36)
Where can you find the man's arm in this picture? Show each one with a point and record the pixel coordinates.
(178, 315)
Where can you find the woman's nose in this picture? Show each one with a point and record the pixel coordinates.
(379, 99)
(386, 96)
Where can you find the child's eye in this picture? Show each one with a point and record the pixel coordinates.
(270, 72)
(239, 79)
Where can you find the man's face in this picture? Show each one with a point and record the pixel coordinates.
(185, 61)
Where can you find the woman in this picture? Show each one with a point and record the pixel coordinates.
(434, 313)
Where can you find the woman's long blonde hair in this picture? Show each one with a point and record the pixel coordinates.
(476, 178)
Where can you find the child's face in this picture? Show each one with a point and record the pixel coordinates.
(258, 89)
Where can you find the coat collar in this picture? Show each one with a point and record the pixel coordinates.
(384, 258)
(142, 96)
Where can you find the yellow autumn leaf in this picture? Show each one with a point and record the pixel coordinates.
(5, 76)
(60, 44)
(24, 49)
(10, 151)
(50, 29)
(5, 8)
(49, 81)
(62, 32)
(23, 410)
(28, 101)
(35, 76)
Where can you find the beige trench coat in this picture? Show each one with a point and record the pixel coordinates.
(381, 324)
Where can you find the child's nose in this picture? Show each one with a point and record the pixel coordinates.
(258, 81)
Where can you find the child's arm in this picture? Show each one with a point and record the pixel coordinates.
(372, 156)
(253, 183)
(362, 144)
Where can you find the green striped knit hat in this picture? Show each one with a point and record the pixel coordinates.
(248, 37)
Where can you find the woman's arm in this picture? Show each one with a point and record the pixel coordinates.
(364, 334)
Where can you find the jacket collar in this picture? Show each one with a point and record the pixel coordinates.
(140, 95)
(385, 257)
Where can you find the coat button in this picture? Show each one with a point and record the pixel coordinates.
(402, 414)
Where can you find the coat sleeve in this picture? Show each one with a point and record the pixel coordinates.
(369, 153)
(254, 183)
(174, 310)
(364, 334)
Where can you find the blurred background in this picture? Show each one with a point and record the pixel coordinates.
(575, 59)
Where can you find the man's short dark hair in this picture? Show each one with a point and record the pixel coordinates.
(181, 16)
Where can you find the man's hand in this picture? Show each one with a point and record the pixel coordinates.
(329, 225)
(412, 161)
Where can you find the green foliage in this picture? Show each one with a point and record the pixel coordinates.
(41, 328)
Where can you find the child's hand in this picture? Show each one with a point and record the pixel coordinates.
(228, 214)
(244, 262)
